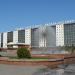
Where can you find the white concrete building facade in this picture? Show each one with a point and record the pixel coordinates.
(60, 35)
(15, 38)
(5, 40)
(28, 36)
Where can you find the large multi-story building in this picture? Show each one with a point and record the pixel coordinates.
(65, 34)
(47, 35)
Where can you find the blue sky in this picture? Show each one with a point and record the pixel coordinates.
(23, 13)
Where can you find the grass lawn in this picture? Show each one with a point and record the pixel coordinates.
(35, 59)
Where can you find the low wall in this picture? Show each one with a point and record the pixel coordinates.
(52, 56)
(69, 58)
(12, 52)
(31, 63)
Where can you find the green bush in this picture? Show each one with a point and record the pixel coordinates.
(23, 53)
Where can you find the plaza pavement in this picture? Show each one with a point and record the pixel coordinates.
(35, 70)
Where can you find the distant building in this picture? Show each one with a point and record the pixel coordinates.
(55, 35)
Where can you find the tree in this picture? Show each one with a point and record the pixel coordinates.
(70, 49)
(23, 53)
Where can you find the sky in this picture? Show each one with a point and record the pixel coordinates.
(23, 13)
